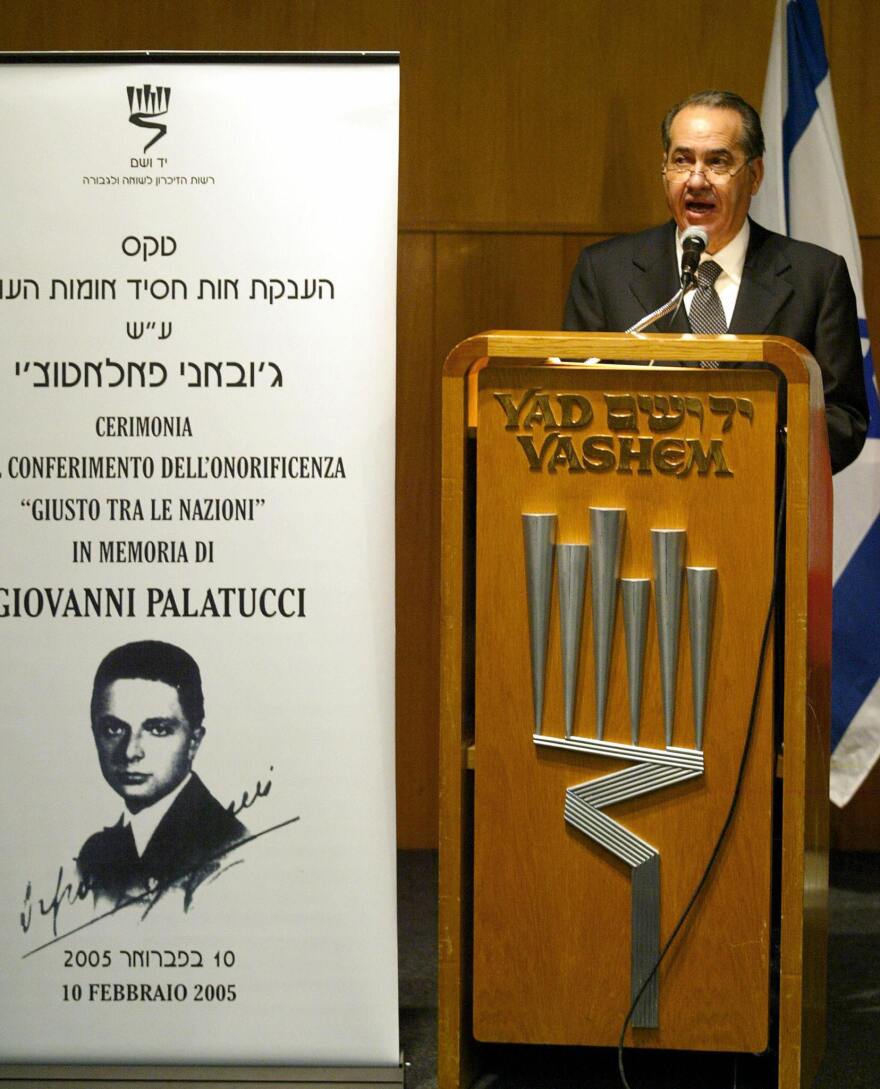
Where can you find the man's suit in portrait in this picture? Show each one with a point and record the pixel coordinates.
(192, 836)
(788, 288)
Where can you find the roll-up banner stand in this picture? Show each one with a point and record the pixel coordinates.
(197, 345)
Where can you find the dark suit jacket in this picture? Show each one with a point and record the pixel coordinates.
(791, 289)
(194, 832)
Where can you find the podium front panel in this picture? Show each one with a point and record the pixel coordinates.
(576, 882)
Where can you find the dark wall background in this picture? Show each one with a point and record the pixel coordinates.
(528, 128)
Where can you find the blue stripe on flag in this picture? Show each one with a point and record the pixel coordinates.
(855, 648)
(873, 402)
(870, 386)
(807, 67)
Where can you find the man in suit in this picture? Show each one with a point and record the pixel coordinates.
(147, 712)
(767, 283)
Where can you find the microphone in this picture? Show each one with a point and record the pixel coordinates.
(693, 242)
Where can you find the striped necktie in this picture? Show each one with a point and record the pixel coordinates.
(707, 313)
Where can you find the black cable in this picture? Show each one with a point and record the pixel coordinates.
(734, 801)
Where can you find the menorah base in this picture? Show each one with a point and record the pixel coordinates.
(584, 805)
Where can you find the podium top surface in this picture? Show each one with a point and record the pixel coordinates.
(570, 349)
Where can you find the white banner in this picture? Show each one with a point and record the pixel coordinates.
(197, 298)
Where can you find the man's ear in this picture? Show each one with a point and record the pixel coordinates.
(757, 168)
(194, 742)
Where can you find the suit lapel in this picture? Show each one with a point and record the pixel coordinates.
(655, 279)
(173, 836)
(763, 291)
(118, 847)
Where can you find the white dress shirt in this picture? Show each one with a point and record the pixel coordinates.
(145, 823)
(732, 260)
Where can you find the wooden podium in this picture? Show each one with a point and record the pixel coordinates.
(609, 533)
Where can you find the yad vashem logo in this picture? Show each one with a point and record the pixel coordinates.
(650, 769)
(145, 105)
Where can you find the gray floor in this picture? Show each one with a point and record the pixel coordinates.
(852, 1060)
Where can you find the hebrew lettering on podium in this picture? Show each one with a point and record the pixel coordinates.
(650, 769)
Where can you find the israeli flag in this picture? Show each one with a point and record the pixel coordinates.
(805, 195)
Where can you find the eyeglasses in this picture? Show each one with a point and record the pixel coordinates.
(717, 172)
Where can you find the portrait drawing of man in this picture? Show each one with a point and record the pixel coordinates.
(147, 713)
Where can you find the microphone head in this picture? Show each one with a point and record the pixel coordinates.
(695, 237)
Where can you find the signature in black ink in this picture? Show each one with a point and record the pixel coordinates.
(73, 890)
(247, 800)
(65, 893)
(189, 882)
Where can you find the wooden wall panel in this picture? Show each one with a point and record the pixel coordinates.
(853, 33)
(496, 281)
(418, 543)
(548, 114)
(202, 24)
(514, 114)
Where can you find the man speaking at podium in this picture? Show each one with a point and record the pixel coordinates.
(750, 280)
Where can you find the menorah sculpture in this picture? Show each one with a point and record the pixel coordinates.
(652, 769)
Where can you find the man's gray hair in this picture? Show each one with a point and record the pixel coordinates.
(752, 133)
